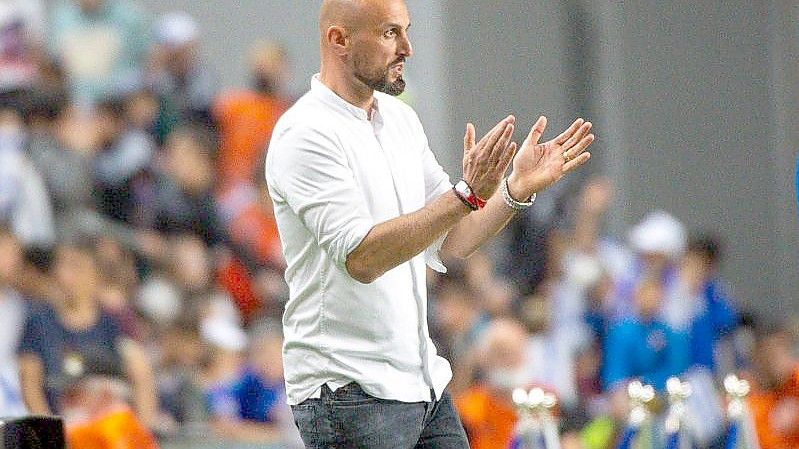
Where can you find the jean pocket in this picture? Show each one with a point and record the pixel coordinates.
(351, 395)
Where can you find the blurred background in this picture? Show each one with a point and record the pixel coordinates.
(140, 268)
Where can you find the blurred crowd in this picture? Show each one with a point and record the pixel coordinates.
(141, 283)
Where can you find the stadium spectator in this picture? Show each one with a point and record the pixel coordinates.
(260, 412)
(184, 84)
(182, 201)
(642, 346)
(75, 339)
(246, 117)
(714, 315)
(122, 157)
(24, 201)
(657, 242)
(180, 394)
(775, 400)
(18, 49)
(460, 320)
(101, 43)
(12, 321)
(486, 408)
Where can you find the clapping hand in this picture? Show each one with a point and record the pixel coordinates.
(539, 165)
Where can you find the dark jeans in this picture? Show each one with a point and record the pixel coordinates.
(350, 418)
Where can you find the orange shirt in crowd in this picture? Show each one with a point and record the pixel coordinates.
(245, 120)
(119, 429)
(777, 408)
(489, 421)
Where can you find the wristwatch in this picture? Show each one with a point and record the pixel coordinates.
(467, 195)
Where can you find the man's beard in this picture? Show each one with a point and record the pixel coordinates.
(381, 81)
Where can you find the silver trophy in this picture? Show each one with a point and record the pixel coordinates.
(678, 392)
(737, 390)
(537, 427)
(640, 396)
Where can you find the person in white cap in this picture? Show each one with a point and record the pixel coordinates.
(177, 74)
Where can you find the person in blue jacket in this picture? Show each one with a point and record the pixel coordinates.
(642, 346)
(716, 316)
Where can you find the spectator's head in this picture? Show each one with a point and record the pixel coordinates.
(706, 249)
(457, 304)
(268, 67)
(188, 159)
(535, 310)
(181, 345)
(11, 256)
(13, 33)
(659, 240)
(773, 356)
(266, 351)
(191, 264)
(502, 355)
(177, 35)
(91, 6)
(142, 109)
(110, 119)
(495, 293)
(648, 296)
(44, 108)
(75, 271)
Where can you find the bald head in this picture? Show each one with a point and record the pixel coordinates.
(343, 13)
(364, 44)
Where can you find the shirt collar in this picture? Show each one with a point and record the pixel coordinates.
(327, 94)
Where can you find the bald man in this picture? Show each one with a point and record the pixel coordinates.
(362, 207)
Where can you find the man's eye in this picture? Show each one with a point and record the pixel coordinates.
(390, 33)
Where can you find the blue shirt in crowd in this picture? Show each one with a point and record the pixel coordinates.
(716, 319)
(249, 397)
(647, 350)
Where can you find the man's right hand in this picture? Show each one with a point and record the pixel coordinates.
(485, 162)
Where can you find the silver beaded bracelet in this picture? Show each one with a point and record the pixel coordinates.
(512, 203)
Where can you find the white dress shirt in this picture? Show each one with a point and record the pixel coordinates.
(333, 174)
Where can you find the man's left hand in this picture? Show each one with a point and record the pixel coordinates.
(539, 165)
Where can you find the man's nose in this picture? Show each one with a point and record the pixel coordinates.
(405, 48)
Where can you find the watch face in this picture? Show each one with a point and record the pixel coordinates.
(464, 188)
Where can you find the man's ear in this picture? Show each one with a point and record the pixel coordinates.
(338, 39)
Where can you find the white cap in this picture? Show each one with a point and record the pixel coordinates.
(176, 29)
(160, 300)
(223, 334)
(659, 232)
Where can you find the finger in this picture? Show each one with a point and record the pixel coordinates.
(564, 136)
(468, 138)
(576, 137)
(498, 148)
(507, 158)
(576, 162)
(581, 146)
(497, 129)
(538, 130)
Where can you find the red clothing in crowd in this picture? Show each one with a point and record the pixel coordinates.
(245, 120)
(776, 414)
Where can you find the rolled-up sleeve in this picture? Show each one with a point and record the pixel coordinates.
(310, 172)
(436, 182)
